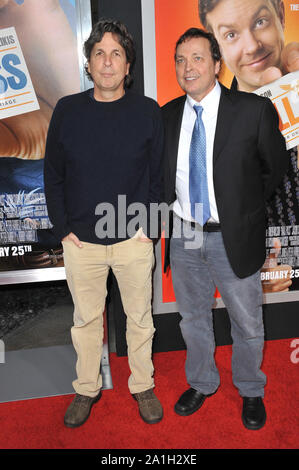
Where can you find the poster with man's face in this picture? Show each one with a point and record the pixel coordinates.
(260, 54)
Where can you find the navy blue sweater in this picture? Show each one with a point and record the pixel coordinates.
(97, 151)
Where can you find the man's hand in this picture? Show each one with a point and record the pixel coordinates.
(283, 282)
(140, 235)
(289, 63)
(143, 238)
(24, 135)
(290, 57)
(71, 237)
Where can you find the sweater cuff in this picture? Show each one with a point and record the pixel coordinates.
(62, 232)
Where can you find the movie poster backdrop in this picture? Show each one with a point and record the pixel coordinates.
(172, 18)
(38, 65)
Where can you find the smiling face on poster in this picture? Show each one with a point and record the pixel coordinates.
(250, 34)
(251, 37)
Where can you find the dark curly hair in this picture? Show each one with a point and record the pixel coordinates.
(125, 39)
(206, 6)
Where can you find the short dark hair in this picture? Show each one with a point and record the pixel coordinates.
(107, 25)
(201, 33)
(206, 6)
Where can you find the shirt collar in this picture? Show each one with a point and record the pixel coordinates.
(210, 102)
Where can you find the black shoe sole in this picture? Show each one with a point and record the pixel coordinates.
(253, 427)
(96, 399)
(188, 413)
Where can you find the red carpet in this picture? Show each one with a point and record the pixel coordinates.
(115, 422)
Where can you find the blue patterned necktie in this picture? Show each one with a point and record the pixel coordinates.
(198, 184)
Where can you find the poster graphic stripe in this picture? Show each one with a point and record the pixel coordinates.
(15, 105)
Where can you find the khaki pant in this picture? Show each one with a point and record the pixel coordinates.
(87, 269)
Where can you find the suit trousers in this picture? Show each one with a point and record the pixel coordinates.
(196, 271)
(87, 270)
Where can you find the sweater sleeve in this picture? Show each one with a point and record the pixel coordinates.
(155, 188)
(54, 176)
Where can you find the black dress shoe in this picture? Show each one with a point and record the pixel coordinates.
(189, 402)
(254, 413)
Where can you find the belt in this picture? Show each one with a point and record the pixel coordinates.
(208, 227)
(211, 227)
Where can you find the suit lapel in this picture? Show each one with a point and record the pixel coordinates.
(225, 119)
(174, 130)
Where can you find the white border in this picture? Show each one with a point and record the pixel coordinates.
(149, 48)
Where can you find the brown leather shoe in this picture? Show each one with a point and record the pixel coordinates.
(79, 410)
(150, 409)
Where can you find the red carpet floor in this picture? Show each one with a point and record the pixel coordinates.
(115, 422)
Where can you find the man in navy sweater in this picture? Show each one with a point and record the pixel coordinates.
(105, 144)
